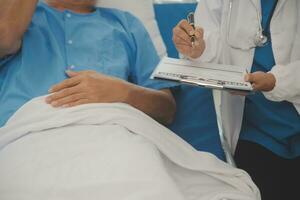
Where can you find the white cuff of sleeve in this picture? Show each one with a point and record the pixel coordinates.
(281, 90)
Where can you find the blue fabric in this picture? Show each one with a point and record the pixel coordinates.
(274, 125)
(196, 121)
(168, 16)
(108, 41)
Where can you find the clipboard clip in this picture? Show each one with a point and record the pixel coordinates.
(208, 83)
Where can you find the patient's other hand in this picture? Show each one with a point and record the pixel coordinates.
(87, 87)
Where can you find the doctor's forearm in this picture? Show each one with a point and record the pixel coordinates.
(160, 105)
(15, 17)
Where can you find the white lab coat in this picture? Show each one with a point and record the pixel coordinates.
(213, 16)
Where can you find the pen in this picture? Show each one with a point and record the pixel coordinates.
(191, 21)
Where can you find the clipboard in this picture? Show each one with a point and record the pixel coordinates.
(207, 75)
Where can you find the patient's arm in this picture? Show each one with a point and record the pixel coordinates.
(160, 105)
(15, 16)
(91, 87)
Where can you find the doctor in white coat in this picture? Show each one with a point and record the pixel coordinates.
(263, 128)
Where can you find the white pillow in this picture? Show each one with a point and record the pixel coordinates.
(143, 9)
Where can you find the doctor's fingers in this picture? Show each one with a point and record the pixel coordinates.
(261, 81)
(67, 100)
(257, 87)
(179, 33)
(184, 49)
(256, 77)
(180, 41)
(186, 27)
(65, 84)
(199, 33)
(191, 50)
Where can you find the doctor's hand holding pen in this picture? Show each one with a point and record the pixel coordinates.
(188, 39)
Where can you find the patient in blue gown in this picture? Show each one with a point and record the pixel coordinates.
(80, 55)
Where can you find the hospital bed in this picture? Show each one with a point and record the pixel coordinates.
(195, 120)
(132, 148)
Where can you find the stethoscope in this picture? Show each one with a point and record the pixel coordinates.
(259, 40)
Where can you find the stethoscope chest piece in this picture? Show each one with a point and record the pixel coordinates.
(260, 39)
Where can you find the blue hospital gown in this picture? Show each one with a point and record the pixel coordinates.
(108, 41)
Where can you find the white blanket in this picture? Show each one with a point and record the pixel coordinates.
(109, 152)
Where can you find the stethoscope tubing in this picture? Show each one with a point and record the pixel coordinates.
(259, 39)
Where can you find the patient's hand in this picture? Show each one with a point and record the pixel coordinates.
(87, 87)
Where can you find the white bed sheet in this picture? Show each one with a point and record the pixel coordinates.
(107, 151)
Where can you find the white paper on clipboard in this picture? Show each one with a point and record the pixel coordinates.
(215, 76)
